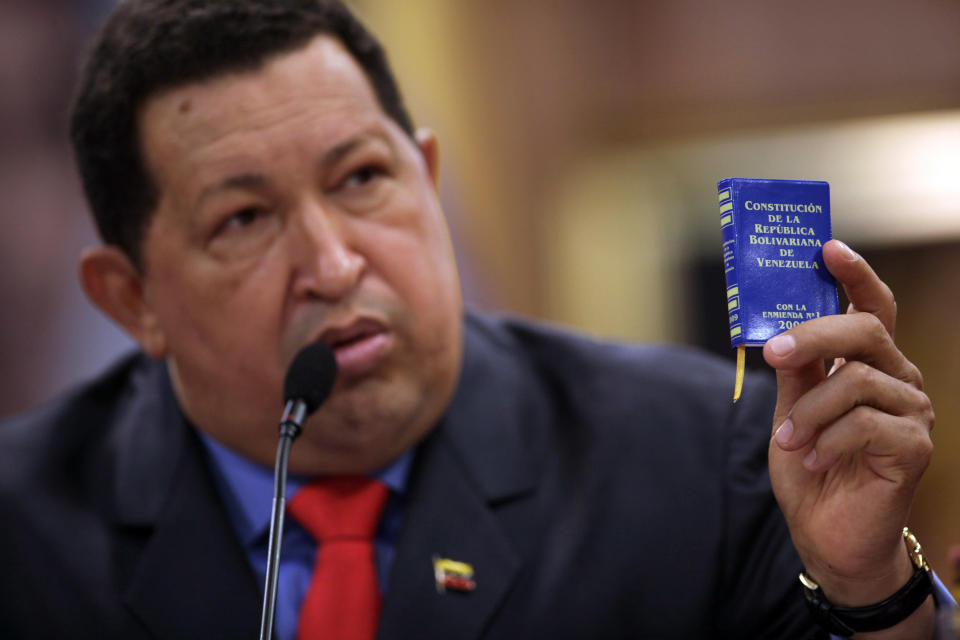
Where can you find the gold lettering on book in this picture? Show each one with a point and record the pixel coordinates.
(785, 242)
(786, 264)
(782, 207)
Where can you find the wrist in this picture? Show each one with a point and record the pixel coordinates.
(862, 591)
(887, 612)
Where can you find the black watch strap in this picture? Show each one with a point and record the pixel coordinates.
(846, 621)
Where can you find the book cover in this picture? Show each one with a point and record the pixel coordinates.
(773, 237)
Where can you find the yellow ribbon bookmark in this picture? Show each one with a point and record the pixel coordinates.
(741, 364)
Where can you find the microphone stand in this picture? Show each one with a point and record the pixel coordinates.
(290, 427)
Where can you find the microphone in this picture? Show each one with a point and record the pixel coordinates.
(309, 381)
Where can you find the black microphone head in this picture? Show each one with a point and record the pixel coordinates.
(311, 376)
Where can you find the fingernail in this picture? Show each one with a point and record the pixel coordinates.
(782, 345)
(784, 432)
(811, 459)
(848, 252)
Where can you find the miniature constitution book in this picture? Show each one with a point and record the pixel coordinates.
(773, 235)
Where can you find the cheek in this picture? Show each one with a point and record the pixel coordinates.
(418, 265)
(206, 311)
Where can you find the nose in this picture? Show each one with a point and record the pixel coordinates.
(326, 266)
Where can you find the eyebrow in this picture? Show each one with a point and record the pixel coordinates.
(336, 154)
(240, 181)
(258, 180)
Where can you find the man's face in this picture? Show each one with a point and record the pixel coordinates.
(292, 209)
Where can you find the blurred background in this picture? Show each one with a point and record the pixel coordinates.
(581, 143)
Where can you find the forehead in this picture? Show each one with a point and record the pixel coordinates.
(318, 90)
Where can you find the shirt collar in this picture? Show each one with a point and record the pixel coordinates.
(247, 487)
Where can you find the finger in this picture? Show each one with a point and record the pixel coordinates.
(866, 291)
(857, 336)
(895, 447)
(854, 384)
(837, 363)
(792, 384)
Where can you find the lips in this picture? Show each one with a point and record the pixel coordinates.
(359, 347)
(337, 337)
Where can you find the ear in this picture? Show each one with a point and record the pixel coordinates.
(427, 141)
(115, 286)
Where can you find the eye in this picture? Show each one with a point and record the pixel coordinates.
(364, 175)
(242, 218)
(239, 220)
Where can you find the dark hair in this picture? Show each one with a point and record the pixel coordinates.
(147, 46)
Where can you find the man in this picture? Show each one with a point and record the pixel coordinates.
(259, 187)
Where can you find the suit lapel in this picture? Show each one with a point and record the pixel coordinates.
(474, 463)
(188, 576)
(448, 519)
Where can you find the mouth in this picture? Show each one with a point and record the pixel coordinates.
(359, 347)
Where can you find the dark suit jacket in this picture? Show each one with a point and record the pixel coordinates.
(600, 491)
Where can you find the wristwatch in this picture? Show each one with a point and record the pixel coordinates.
(846, 621)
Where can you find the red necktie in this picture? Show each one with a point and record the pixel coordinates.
(343, 601)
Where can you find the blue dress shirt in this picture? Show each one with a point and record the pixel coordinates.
(247, 490)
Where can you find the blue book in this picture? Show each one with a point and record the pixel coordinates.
(773, 237)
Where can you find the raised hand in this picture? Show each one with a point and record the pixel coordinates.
(849, 446)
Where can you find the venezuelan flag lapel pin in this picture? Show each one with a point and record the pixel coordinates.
(454, 575)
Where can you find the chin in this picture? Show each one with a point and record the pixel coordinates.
(345, 451)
